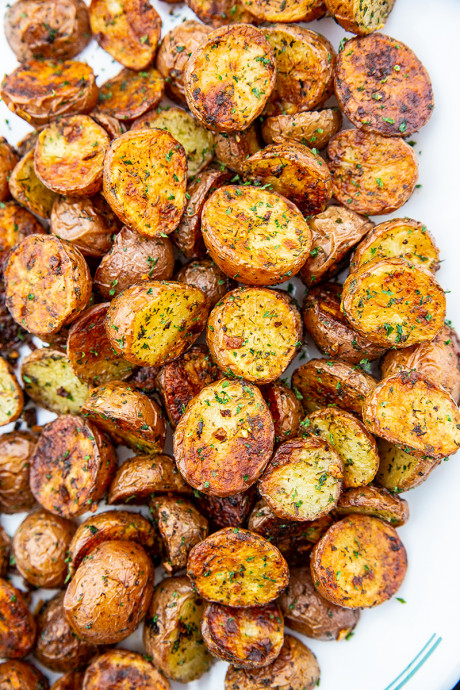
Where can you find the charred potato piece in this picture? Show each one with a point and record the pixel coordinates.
(50, 381)
(117, 667)
(394, 98)
(145, 177)
(207, 277)
(313, 129)
(40, 548)
(393, 303)
(227, 511)
(180, 380)
(232, 149)
(375, 572)
(418, 415)
(145, 379)
(130, 94)
(5, 548)
(254, 333)
(229, 78)
(43, 90)
(324, 383)
(129, 30)
(11, 395)
(400, 471)
(307, 612)
(72, 466)
(286, 11)
(372, 500)
(181, 526)
(294, 171)
(237, 568)
(44, 29)
(8, 160)
(197, 142)
(112, 126)
(110, 593)
(371, 174)
(155, 322)
(351, 440)
(285, 409)
(360, 18)
(21, 675)
(140, 477)
(330, 329)
(16, 449)
(72, 680)
(250, 637)
(28, 190)
(220, 12)
(254, 235)
(295, 668)
(17, 625)
(132, 259)
(16, 223)
(225, 438)
(129, 416)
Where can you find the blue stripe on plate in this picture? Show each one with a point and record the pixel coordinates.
(405, 675)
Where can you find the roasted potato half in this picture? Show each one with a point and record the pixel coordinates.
(12, 336)
(230, 77)
(311, 128)
(224, 439)
(17, 625)
(232, 149)
(227, 511)
(375, 501)
(254, 235)
(16, 223)
(140, 477)
(29, 190)
(285, 409)
(207, 277)
(375, 572)
(21, 675)
(289, 11)
(16, 449)
(11, 395)
(130, 94)
(72, 680)
(220, 12)
(116, 667)
(359, 18)
(8, 160)
(237, 568)
(72, 466)
(400, 471)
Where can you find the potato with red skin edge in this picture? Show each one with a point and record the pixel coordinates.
(227, 551)
(46, 29)
(28, 190)
(112, 126)
(285, 409)
(313, 128)
(72, 680)
(128, 30)
(130, 94)
(400, 471)
(227, 511)
(156, 208)
(375, 501)
(289, 11)
(110, 593)
(11, 395)
(143, 475)
(127, 415)
(119, 669)
(307, 612)
(16, 223)
(221, 12)
(231, 94)
(232, 149)
(58, 648)
(63, 479)
(152, 323)
(40, 91)
(17, 625)
(89, 223)
(5, 548)
(295, 668)
(358, 18)
(207, 277)
(254, 235)
(40, 548)
(224, 439)
(8, 160)
(372, 576)
(21, 675)
(16, 450)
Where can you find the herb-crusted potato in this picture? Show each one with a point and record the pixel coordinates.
(8, 160)
(227, 511)
(360, 18)
(237, 568)
(359, 563)
(72, 680)
(145, 177)
(307, 612)
(375, 501)
(21, 675)
(229, 78)
(140, 477)
(393, 303)
(28, 189)
(285, 10)
(16, 449)
(207, 277)
(72, 466)
(220, 12)
(155, 322)
(311, 128)
(11, 395)
(224, 439)
(16, 223)
(172, 631)
(89, 223)
(254, 235)
(285, 409)
(130, 94)
(17, 625)
(117, 667)
(129, 30)
(43, 90)
(232, 149)
(371, 174)
(400, 471)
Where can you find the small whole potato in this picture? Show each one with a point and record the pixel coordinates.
(88, 223)
(16, 449)
(207, 276)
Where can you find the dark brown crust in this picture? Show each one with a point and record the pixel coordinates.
(21, 675)
(8, 159)
(207, 277)
(116, 666)
(17, 625)
(374, 501)
(130, 94)
(140, 477)
(5, 548)
(229, 511)
(16, 449)
(285, 409)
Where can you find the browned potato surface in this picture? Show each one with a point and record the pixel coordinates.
(89, 223)
(375, 501)
(12, 336)
(285, 11)
(8, 160)
(237, 568)
(130, 94)
(220, 12)
(360, 18)
(72, 680)
(401, 471)
(21, 675)
(129, 30)
(17, 625)
(232, 149)
(368, 578)
(119, 669)
(371, 174)
(313, 129)
(16, 449)
(5, 548)
(207, 277)
(28, 190)
(112, 126)
(16, 223)
(227, 511)
(27, 142)
(140, 477)
(285, 409)
(11, 395)
(229, 78)
(72, 466)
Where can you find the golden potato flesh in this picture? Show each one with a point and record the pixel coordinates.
(360, 18)
(29, 190)
(285, 10)
(11, 395)
(311, 128)
(89, 223)
(16, 449)
(401, 471)
(119, 669)
(8, 160)
(16, 223)
(130, 94)
(143, 475)
(375, 501)
(17, 625)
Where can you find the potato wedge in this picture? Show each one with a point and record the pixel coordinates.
(16, 449)
(324, 383)
(138, 478)
(313, 129)
(28, 190)
(393, 303)
(400, 471)
(229, 78)
(17, 625)
(250, 637)
(127, 415)
(232, 149)
(224, 439)
(89, 223)
(155, 322)
(172, 634)
(205, 275)
(285, 409)
(71, 467)
(130, 94)
(360, 18)
(110, 670)
(129, 30)
(145, 177)
(374, 573)
(16, 223)
(220, 12)
(371, 174)
(11, 395)
(8, 160)
(349, 437)
(307, 612)
(237, 568)
(375, 501)
(294, 171)
(418, 415)
(21, 675)
(254, 235)
(44, 90)
(289, 11)
(227, 511)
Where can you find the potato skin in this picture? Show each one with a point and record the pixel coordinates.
(400, 471)
(313, 128)
(8, 160)
(130, 94)
(11, 395)
(21, 675)
(232, 149)
(17, 625)
(285, 409)
(16, 223)
(357, 18)
(89, 223)
(16, 449)
(375, 501)
(116, 667)
(140, 477)
(28, 190)
(207, 277)
(228, 511)
(5, 548)
(72, 680)
(109, 594)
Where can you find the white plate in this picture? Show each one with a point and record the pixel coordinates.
(413, 645)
